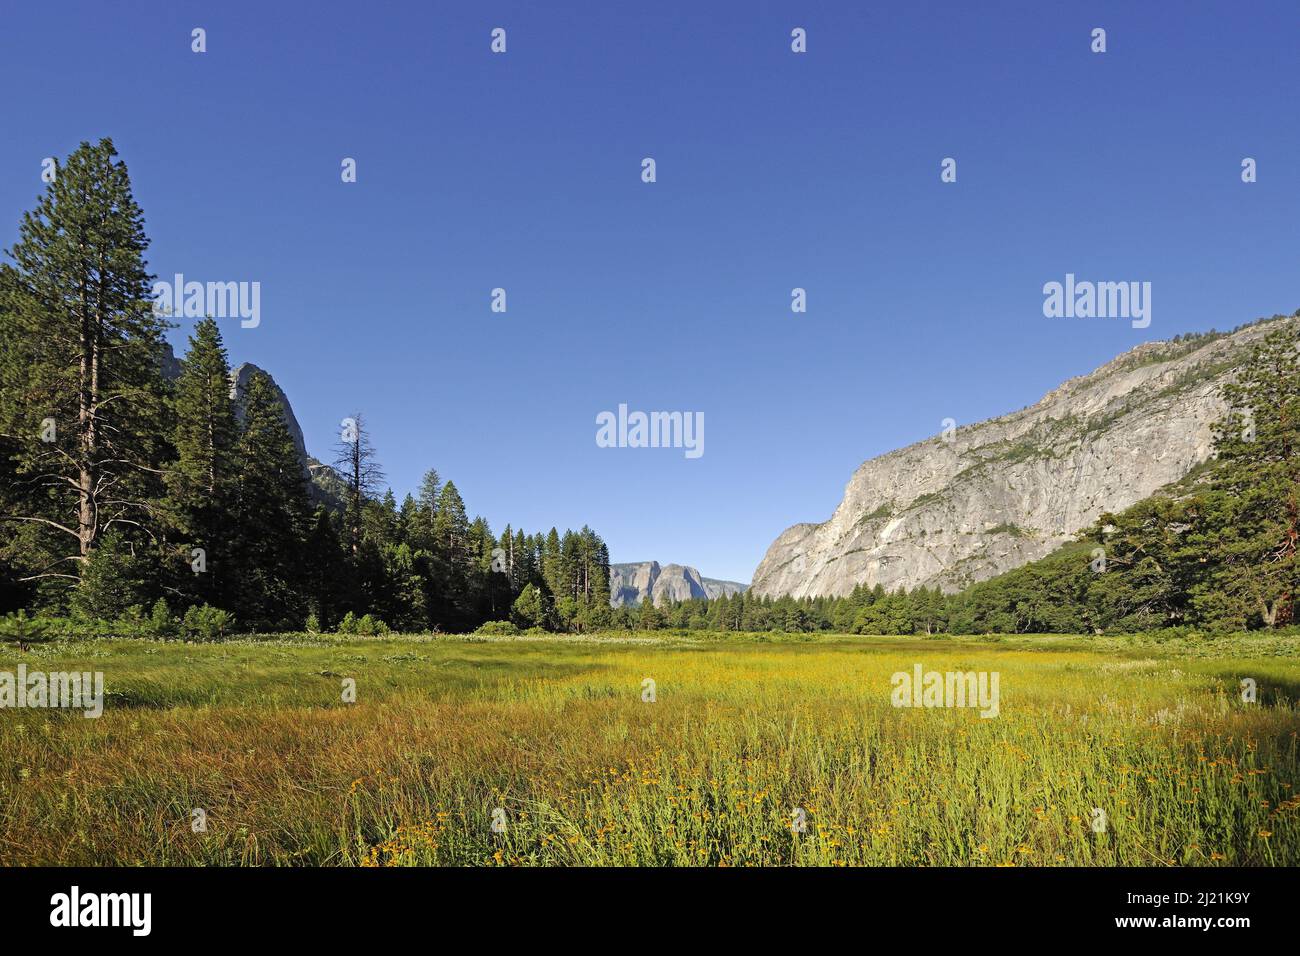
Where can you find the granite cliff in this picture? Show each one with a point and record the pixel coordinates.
(324, 485)
(632, 583)
(984, 498)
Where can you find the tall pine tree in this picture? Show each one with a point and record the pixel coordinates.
(1254, 505)
(81, 387)
(201, 482)
(271, 513)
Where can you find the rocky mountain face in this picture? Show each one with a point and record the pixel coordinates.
(239, 377)
(324, 485)
(982, 499)
(633, 583)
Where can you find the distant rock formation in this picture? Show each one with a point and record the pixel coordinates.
(631, 584)
(324, 485)
(239, 379)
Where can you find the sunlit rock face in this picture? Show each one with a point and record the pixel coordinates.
(985, 498)
(633, 583)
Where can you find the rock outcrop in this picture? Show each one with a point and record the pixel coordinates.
(982, 499)
(324, 484)
(633, 583)
(239, 383)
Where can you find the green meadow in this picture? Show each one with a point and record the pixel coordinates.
(755, 750)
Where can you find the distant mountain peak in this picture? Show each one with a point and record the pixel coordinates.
(632, 583)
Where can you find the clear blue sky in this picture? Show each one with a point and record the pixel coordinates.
(775, 170)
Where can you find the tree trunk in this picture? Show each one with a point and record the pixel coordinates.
(86, 421)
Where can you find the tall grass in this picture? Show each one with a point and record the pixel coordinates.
(742, 733)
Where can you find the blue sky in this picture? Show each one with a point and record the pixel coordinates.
(775, 170)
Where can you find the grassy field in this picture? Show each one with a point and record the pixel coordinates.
(743, 730)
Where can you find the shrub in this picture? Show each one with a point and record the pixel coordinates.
(113, 579)
(161, 622)
(18, 628)
(132, 621)
(365, 626)
(206, 623)
(498, 628)
(313, 624)
(532, 608)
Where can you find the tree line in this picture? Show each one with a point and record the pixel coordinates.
(129, 497)
(134, 501)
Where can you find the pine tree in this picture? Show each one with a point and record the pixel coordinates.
(592, 570)
(373, 590)
(407, 516)
(552, 564)
(406, 588)
(426, 509)
(358, 467)
(329, 592)
(201, 481)
(117, 577)
(271, 514)
(81, 388)
(380, 520)
(454, 558)
(524, 558)
(506, 564)
(430, 487)
(531, 608)
(451, 527)
(649, 617)
(1255, 495)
